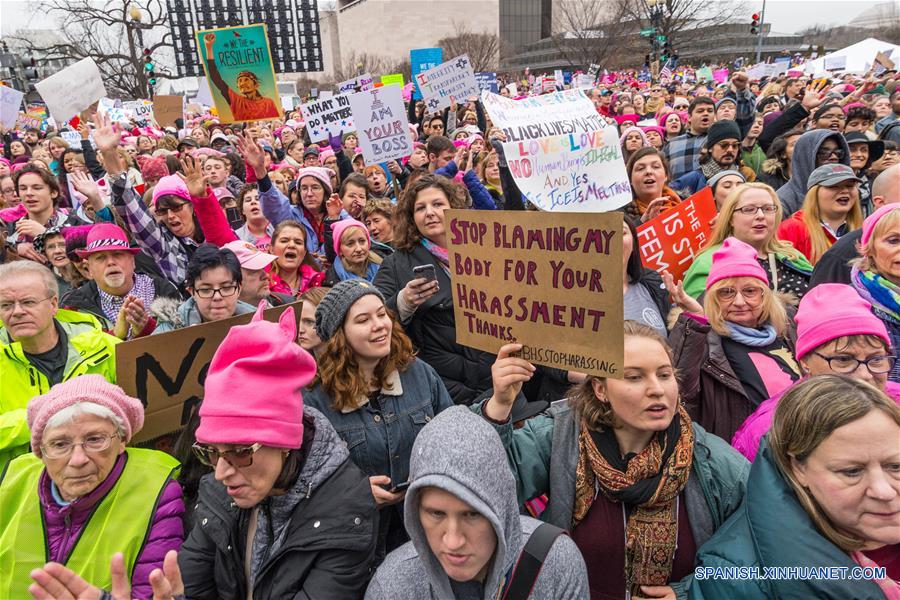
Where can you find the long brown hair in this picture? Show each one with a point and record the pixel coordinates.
(406, 234)
(339, 371)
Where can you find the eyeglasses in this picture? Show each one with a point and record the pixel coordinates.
(94, 443)
(28, 304)
(729, 145)
(163, 211)
(225, 291)
(236, 457)
(751, 293)
(826, 152)
(876, 365)
(767, 209)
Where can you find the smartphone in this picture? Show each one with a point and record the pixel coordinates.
(234, 218)
(426, 271)
(400, 487)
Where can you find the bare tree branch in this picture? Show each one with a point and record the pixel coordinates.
(588, 31)
(483, 48)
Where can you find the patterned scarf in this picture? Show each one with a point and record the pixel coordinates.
(143, 289)
(648, 483)
(439, 253)
(881, 293)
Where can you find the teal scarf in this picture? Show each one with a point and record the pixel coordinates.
(751, 336)
(343, 274)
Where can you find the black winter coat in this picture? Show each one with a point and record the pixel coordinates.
(466, 372)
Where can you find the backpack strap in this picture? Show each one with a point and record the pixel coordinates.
(531, 559)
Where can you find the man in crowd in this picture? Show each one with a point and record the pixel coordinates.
(117, 296)
(723, 146)
(40, 346)
(440, 151)
(683, 151)
(895, 112)
(792, 90)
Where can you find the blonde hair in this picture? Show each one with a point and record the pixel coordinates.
(772, 89)
(773, 309)
(866, 260)
(725, 229)
(812, 219)
(805, 416)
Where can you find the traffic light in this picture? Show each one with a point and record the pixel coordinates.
(754, 25)
(666, 51)
(149, 67)
(30, 72)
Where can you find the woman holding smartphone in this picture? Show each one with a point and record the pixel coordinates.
(375, 393)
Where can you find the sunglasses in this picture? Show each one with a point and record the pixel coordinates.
(236, 457)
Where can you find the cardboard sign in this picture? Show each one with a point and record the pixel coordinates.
(554, 287)
(166, 371)
(395, 79)
(452, 78)
(672, 240)
(882, 59)
(420, 60)
(329, 116)
(168, 108)
(362, 83)
(380, 118)
(562, 154)
(10, 101)
(70, 91)
(239, 70)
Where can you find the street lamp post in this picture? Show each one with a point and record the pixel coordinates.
(759, 36)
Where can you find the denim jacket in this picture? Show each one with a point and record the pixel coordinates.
(380, 434)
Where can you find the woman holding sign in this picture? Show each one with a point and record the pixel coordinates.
(622, 460)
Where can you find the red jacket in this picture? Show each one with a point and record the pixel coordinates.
(794, 230)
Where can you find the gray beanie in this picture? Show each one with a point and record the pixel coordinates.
(333, 308)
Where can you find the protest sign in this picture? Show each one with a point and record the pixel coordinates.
(583, 81)
(562, 154)
(487, 81)
(26, 120)
(330, 116)
(882, 59)
(362, 83)
(512, 89)
(380, 118)
(452, 78)
(73, 138)
(10, 101)
(166, 371)
(238, 67)
(394, 79)
(548, 83)
(325, 94)
(720, 75)
(555, 288)
(672, 240)
(420, 60)
(558, 77)
(70, 91)
(704, 74)
(757, 71)
(168, 108)
(141, 111)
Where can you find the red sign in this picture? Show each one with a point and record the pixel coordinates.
(670, 241)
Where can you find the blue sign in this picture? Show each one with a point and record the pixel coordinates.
(487, 81)
(567, 77)
(422, 59)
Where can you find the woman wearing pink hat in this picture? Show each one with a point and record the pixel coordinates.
(354, 255)
(82, 496)
(736, 349)
(836, 333)
(876, 275)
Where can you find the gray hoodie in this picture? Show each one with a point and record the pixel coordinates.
(459, 452)
(803, 163)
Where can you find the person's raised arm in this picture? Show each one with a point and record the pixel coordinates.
(214, 76)
(275, 205)
(210, 216)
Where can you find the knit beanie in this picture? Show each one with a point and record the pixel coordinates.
(171, 185)
(872, 220)
(723, 130)
(320, 173)
(338, 229)
(84, 388)
(833, 310)
(724, 100)
(253, 387)
(735, 258)
(153, 168)
(334, 306)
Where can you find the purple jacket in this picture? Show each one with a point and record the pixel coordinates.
(166, 530)
(747, 437)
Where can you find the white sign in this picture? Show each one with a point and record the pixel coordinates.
(380, 118)
(364, 82)
(326, 117)
(204, 96)
(73, 138)
(140, 110)
(10, 101)
(287, 102)
(452, 78)
(585, 82)
(835, 63)
(70, 91)
(561, 153)
(325, 94)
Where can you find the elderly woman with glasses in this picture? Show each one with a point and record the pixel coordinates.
(82, 496)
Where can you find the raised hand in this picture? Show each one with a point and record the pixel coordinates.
(252, 153)
(85, 184)
(106, 135)
(653, 209)
(333, 206)
(679, 296)
(193, 178)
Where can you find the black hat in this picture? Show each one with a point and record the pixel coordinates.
(188, 142)
(876, 147)
(723, 130)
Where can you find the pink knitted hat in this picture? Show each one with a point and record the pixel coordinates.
(735, 258)
(833, 310)
(872, 220)
(85, 388)
(338, 229)
(320, 173)
(171, 185)
(253, 387)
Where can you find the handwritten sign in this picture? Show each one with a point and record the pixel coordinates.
(381, 123)
(166, 372)
(452, 78)
(562, 154)
(554, 287)
(394, 79)
(420, 60)
(362, 83)
(28, 120)
(70, 91)
(330, 116)
(10, 101)
(672, 240)
(487, 81)
(141, 111)
(166, 109)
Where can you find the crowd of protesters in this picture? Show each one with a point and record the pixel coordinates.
(354, 449)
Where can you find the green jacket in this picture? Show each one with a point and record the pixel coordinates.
(90, 351)
(754, 158)
(695, 277)
(771, 529)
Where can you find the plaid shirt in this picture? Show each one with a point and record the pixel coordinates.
(168, 251)
(683, 154)
(746, 109)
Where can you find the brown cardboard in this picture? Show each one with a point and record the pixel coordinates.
(166, 109)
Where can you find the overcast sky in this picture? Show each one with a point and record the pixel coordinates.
(786, 16)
